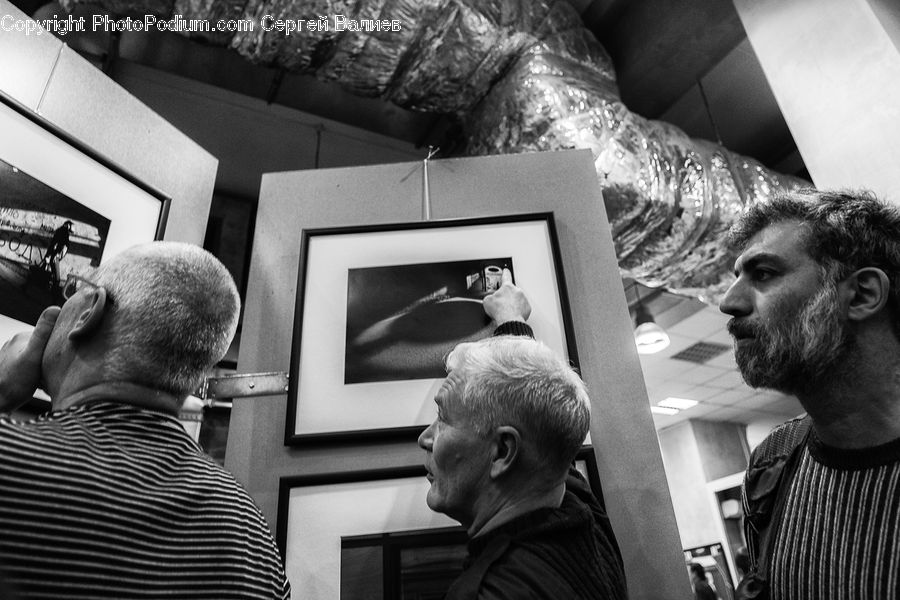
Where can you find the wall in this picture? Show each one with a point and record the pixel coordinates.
(684, 469)
(696, 452)
(251, 137)
(888, 12)
(834, 68)
(622, 429)
(43, 74)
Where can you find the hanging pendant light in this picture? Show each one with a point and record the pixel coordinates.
(649, 337)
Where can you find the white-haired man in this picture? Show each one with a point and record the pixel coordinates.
(511, 417)
(107, 496)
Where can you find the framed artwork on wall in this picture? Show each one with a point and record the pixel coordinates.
(320, 516)
(379, 307)
(64, 209)
(370, 534)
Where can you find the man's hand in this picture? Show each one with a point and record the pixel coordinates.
(20, 362)
(508, 303)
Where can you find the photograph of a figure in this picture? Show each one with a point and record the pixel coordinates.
(403, 319)
(44, 237)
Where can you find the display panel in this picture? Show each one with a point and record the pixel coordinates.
(379, 307)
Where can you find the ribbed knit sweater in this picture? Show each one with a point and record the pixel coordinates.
(552, 553)
(839, 538)
(106, 500)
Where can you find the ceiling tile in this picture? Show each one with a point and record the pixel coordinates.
(663, 421)
(671, 387)
(663, 368)
(700, 411)
(677, 343)
(698, 374)
(727, 380)
(723, 361)
(729, 397)
(721, 337)
(729, 414)
(701, 324)
(703, 392)
(756, 402)
(786, 406)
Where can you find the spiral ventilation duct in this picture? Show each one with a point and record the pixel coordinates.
(521, 76)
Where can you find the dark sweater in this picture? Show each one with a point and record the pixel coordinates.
(567, 552)
(837, 537)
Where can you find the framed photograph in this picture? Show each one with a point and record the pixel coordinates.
(63, 209)
(370, 534)
(380, 307)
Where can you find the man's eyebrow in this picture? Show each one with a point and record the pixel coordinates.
(743, 264)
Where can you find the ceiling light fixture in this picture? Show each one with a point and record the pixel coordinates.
(649, 337)
(661, 410)
(679, 403)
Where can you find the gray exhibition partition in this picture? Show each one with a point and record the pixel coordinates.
(44, 75)
(625, 442)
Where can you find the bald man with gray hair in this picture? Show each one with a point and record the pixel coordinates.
(106, 496)
(512, 415)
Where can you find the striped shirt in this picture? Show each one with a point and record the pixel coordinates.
(107, 500)
(839, 538)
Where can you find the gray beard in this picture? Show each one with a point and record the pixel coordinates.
(801, 350)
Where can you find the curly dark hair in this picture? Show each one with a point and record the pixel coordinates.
(844, 230)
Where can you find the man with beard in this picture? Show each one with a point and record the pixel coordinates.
(816, 313)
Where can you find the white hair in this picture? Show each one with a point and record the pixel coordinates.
(174, 312)
(517, 381)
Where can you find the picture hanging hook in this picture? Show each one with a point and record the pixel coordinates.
(426, 196)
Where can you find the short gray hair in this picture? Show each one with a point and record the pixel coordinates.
(174, 312)
(517, 381)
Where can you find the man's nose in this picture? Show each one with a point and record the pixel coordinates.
(736, 301)
(425, 438)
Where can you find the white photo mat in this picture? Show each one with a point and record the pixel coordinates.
(322, 403)
(136, 214)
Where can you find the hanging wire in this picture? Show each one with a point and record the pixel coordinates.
(426, 194)
(709, 112)
(319, 129)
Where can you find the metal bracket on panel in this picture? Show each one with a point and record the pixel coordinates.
(244, 385)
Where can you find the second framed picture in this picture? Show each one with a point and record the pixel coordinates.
(380, 307)
(370, 534)
(64, 210)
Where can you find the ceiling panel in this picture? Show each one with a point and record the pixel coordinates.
(716, 384)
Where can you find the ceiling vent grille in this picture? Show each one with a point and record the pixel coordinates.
(701, 352)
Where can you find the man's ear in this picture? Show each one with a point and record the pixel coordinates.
(507, 443)
(868, 290)
(91, 315)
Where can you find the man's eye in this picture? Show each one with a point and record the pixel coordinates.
(763, 274)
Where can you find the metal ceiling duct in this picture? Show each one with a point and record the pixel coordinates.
(521, 76)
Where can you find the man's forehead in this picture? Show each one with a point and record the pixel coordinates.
(450, 387)
(784, 239)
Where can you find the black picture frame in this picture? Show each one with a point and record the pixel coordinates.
(48, 178)
(322, 406)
